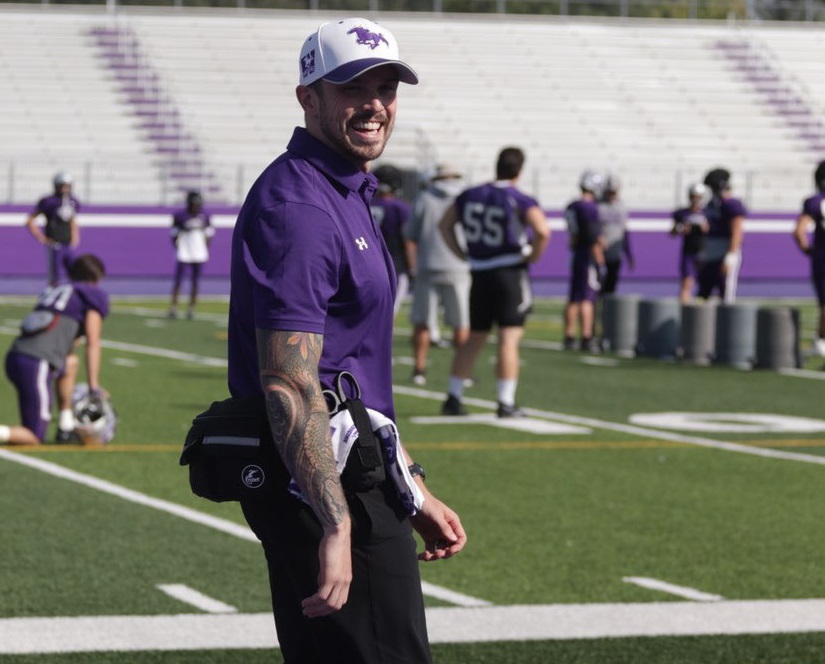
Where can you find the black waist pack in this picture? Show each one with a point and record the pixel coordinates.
(230, 452)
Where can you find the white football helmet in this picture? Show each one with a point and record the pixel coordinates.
(593, 182)
(95, 417)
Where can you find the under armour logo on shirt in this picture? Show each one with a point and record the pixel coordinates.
(362, 243)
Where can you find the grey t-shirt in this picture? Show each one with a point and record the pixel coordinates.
(428, 209)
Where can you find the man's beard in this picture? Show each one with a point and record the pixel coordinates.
(340, 140)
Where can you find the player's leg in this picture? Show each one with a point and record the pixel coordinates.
(64, 388)
(423, 304)
(177, 277)
(195, 275)
(32, 378)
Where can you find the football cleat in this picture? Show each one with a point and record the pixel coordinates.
(453, 406)
(509, 410)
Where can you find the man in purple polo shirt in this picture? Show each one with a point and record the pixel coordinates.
(813, 213)
(42, 354)
(60, 235)
(722, 255)
(312, 289)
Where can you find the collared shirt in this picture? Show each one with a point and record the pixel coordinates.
(308, 257)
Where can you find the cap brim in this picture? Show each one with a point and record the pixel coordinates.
(345, 73)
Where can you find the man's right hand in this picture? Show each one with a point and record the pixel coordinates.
(335, 575)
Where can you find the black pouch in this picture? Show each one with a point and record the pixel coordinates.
(230, 452)
(364, 469)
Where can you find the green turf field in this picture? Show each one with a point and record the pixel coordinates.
(598, 531)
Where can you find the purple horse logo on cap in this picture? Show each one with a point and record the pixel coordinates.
(367, 38)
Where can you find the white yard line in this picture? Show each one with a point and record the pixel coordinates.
(194, 516)
(194, 598)
(55, 470)
(445, 625)
(657, 434)
(672, 589)
(451, 596)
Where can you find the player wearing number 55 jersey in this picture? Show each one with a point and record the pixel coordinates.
(42, 353)
(505, 230)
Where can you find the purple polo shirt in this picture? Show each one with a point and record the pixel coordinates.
(493, 219)
(308, 257)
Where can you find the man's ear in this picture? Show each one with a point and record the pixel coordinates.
(308, 99)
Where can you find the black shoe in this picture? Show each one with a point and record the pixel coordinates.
(453, 406)
(569, 343)
(509, 411)
(63, 436)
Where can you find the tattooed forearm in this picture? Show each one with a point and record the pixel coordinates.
(299, 418)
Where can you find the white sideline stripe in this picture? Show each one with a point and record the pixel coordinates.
(657, 434)
(451, 596)
(194, 516)
(194, 598)
(672, 588)
(445, 625)
(527, 424)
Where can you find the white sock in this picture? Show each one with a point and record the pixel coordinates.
(5, 433)
(66, 420)
(456, 387)
(506, 390)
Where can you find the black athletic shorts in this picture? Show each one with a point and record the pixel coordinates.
(500, 296)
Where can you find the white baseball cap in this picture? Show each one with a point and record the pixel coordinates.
(340, 51)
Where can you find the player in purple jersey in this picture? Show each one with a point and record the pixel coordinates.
(691, 224)
(722, 256)
(312, 291)
(60, 235)
(505, 230)
(42, 353)
(813, 213)
(192, 232)
(587, 266)
(391, 213)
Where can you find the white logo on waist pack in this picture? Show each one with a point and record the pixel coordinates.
(253, 477)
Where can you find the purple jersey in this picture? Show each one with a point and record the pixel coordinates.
(59, 211)
(583, 224)
(694, 240)
(391, 215)
(493, 219)
(307, 257)
(814, 207)
(52, 338)
(721, 212)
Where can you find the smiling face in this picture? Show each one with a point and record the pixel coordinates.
(355, 119)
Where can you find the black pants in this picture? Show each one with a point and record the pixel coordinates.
(383, 620)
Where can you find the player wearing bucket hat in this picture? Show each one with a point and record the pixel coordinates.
(312, 294)
(340, 51)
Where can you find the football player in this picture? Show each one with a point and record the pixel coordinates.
(41, 357)
(192, 232)
(813, 212)
(723, 246)
(391, 214)
(505, 231)
(691, 224)
(587, 267)
(60, 235)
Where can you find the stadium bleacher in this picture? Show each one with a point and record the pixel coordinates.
(657, 102)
